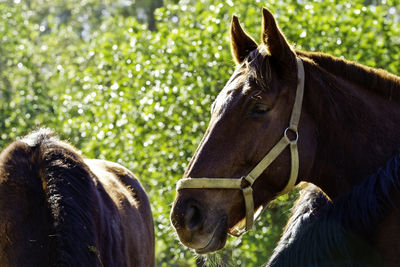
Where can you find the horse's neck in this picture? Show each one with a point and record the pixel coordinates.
(357, 131)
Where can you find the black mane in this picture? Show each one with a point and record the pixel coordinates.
(69, 190)
(322, 232)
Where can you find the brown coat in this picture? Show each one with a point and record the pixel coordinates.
(59, 209)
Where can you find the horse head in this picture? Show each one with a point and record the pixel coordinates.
(252, 121)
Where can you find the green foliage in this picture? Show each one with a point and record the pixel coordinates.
(119, 91)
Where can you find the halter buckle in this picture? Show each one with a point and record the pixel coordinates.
(244, 183)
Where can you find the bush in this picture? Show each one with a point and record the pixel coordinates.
(119, 91)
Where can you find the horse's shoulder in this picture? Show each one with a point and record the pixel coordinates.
(131, 200)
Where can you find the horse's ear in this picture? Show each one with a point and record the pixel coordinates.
(273, 38)
(241, 43)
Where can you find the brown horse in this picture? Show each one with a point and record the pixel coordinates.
(347, 128)
(59, 209)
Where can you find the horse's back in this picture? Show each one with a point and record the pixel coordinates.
(56, 208)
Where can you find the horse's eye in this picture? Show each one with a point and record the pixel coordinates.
(259, 109)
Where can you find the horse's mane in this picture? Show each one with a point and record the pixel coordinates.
(322, 232)
(69, 190)
(378, 81)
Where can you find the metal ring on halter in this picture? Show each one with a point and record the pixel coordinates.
(287, 137)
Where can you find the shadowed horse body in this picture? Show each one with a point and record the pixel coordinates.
(348, 128)
(59, 209)
(336, 232)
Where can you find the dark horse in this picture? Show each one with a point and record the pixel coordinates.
(348, 127)
(60, 209)
(332, 231)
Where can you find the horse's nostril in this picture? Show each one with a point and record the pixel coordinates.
(193, 218)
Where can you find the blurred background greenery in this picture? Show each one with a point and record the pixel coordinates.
(132, 82)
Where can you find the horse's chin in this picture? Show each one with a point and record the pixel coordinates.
(217, 239)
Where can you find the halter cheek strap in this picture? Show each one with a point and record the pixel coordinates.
(245, 183)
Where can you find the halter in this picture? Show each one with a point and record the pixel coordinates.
(245, 182)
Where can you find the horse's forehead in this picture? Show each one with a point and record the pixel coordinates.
(232, 90)
(241, 81)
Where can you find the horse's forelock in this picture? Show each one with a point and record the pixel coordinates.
(256, 68)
